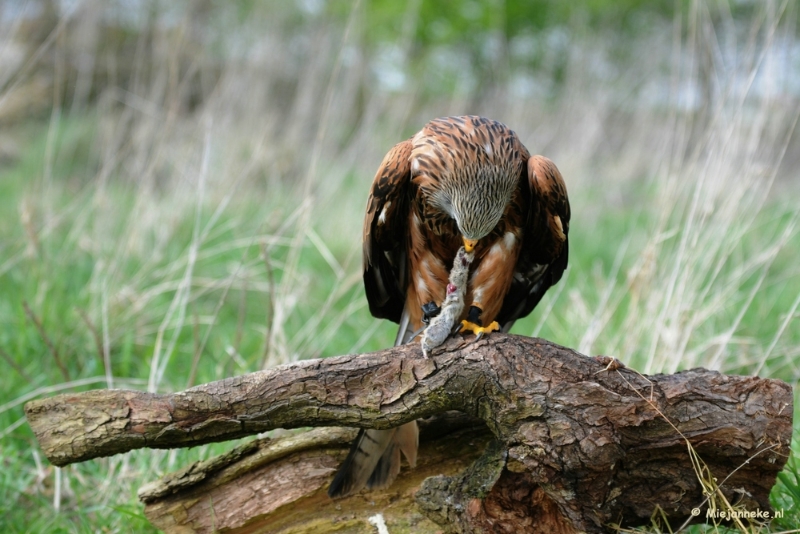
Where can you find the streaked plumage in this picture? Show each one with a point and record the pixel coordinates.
(460, 180)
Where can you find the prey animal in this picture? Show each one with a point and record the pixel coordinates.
(453, 306)
(460, 182)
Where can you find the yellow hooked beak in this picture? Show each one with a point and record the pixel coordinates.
(469, 244)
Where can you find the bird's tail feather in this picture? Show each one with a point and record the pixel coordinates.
(405, 440)
(405, 330)
(374, 458)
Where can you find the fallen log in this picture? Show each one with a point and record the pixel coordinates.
(577, 443)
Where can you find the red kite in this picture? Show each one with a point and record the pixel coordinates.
(461, 181)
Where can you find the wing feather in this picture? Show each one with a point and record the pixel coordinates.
(545, 245)
(386, 234)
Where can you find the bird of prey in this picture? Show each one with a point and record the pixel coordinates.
(461, 181)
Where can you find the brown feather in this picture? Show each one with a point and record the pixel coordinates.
(385, 262)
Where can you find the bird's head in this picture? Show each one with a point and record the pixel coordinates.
(476, 201)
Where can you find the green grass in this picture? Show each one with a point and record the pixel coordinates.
(182, 245)
(89, 275)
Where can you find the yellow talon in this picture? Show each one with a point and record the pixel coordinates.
(467, 326)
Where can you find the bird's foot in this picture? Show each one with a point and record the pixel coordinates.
(478, 330)
(429, 311)
(474, 324)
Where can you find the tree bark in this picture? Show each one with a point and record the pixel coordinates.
(280, 485)
(577, 444)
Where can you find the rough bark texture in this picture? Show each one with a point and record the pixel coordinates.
(577, 445)
(279, 485)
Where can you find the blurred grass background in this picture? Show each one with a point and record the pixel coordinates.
(182, 186)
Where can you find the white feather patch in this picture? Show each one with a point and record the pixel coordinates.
(509, 239)
(559, 228)
(382, 216)
(422, 287)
